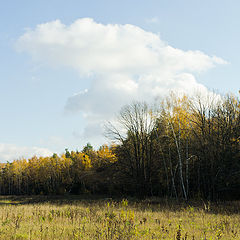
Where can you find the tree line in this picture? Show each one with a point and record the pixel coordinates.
(66, 173)
(180, 147)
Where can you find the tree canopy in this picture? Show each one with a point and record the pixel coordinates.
(182, 148)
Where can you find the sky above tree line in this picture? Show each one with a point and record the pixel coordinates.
(68, 67)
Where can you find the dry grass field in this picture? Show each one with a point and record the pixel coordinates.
(77, 217)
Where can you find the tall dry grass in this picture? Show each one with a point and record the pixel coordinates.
(72, 218)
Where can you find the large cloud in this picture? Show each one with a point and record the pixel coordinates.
(124, 63)
(9, 152)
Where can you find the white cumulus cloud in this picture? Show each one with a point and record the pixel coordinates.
(10, 152)
(124, 63)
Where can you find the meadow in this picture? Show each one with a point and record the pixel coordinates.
(80, 217)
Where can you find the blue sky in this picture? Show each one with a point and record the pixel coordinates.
(61, 81)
